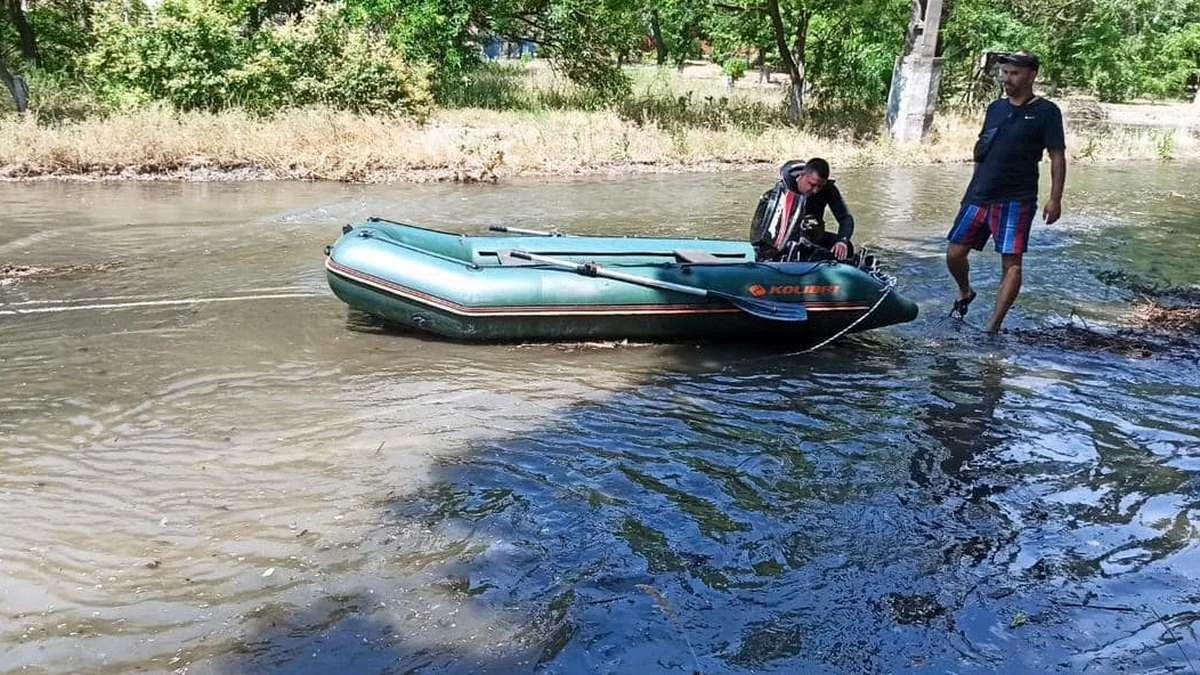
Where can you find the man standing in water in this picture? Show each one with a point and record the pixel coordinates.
(1002, 196)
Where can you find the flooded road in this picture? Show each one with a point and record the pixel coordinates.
(207, 464)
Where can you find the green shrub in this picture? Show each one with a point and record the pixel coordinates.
(495, 86)
(735, 68)
(322, 58)
(194, 55)
(718, 113)
(852, 121)
(181, 53)
(1164, 144)
(56, 96)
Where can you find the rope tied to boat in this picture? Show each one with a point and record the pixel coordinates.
(889, 286)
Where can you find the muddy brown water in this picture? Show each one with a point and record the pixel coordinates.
(207, 464)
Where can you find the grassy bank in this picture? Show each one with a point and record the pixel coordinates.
(512, 121)
(470, 145)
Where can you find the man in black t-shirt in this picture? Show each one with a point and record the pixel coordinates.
(1001, 199)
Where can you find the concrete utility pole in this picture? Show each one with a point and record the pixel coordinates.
(917, 74)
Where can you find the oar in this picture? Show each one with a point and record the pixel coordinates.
(763, 309)
(521, 230)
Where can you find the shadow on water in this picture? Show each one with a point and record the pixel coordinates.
(869, 508)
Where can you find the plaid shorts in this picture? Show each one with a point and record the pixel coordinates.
(1007, 223)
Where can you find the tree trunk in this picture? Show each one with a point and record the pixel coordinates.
(660, 46)
(15, 86)
(793, 61)
(29, 50)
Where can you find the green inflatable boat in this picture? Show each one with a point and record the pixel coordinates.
(543, 287)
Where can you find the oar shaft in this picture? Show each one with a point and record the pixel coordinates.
(665, 285)
(521, 230)
(593, 270)
(771, 311)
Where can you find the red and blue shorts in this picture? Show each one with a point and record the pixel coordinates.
(1007, 223)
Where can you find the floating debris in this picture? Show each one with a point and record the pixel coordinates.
(1146, 286)
(12, 274)
(1082, 337)
(1154, 316)
(910, 609)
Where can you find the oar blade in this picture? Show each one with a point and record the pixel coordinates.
(771, 311)
(791, 312)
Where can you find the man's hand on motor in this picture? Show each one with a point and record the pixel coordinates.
(841, 251)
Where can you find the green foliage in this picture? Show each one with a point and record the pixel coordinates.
(1100, 53)
(852, 53)
(682, 23)
(1171, 63)
(183, 53)
(849, 120)
(390, 55)
(1113, 49)
(495, 86)
(719, 113)
(740, 26)
(583, 38)
(435, 32)
(975, 27)
(57, 96)
(1164, 144)
(63, 29)
(323, 58)
(194, 55)
(735, 68)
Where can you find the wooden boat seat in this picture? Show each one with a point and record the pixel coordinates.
(506, 259)
(697, 256)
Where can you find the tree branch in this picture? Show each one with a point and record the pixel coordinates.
(738, 8)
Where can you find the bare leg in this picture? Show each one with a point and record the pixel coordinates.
(960, 268)
(1010, 287)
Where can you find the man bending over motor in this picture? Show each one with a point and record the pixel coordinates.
(790, 218)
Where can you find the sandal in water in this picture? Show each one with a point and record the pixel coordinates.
(961, 305)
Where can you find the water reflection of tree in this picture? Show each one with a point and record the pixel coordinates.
(964, 424)
(955, 458)
(740, 519)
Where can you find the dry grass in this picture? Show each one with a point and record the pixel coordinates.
(471, 144)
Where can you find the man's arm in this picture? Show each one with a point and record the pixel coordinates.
(1054, 140)
(845, 220)
(1058, 176)
(841, 249)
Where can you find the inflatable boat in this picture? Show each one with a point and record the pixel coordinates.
(539, 286)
